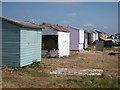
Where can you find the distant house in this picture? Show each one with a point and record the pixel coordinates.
(55, 40)
(94, 36)
(99, 34)
(89, 37)
(21, 42)
(104, 35)
(85, 39)
(76, 38)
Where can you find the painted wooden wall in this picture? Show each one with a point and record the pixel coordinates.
(0, 43)
(20, 46)
(64, 43)
(10, 44)
(93, 37)
(81, 39)
(90, 39)
(96, 36)
(30, 46)
(85, 40)
(76, 38)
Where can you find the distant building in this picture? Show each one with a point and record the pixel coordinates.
(87, 38)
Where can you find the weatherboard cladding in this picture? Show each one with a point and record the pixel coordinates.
(85, 39)
(20, 45)
(30, 46)
(10, 44)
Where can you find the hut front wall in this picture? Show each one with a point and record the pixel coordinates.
(30, 46)
(90, 39)
(74, 39)
(81, 39)
(64, 43)
(85, 40)
(93, 37)
(10, 44)
(96, 36)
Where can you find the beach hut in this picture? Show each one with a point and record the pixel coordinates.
(104, 35)
(89, 37)
(21, 42)
(99, 34)
(76, 38)
(94, 36)
(55, 40)
(85, 39)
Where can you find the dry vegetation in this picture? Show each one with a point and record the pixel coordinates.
(37, 75)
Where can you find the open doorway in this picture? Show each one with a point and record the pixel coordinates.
(50, 45)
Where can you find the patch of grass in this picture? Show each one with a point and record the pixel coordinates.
(36, 65)
(37, 74)
(15, 80)
(91, 82)
(11, 68)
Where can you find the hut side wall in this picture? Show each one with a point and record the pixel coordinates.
(30, 46)
(10, 44)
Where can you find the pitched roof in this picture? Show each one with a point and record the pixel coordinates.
(55, 27)
(88, 31)
(98, 31)
(76, 28)
(23, 24)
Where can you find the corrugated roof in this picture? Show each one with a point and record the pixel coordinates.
(23, 24)
(56, 27)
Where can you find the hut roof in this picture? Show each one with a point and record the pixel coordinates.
(76, 28)
(24, 24)
(55, 27)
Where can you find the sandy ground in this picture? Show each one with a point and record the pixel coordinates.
(84, 59)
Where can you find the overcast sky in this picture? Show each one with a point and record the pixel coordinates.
(86, 15)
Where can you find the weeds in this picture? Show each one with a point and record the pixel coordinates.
(93, 82)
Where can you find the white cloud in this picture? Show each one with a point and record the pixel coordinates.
(88, 25)
(105, 27)
(72, 14)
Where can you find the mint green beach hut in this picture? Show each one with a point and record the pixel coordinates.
(21, 42)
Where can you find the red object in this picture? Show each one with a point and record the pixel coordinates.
(89, 39)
